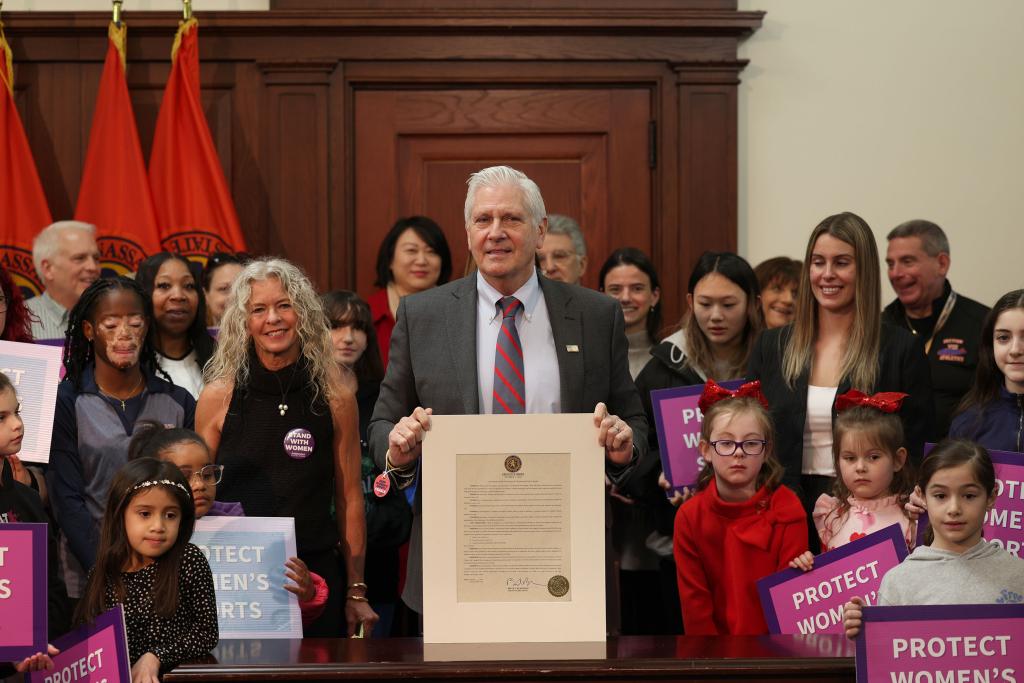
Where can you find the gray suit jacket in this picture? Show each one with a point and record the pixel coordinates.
(433, 364)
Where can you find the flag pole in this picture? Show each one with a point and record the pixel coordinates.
(117, 12)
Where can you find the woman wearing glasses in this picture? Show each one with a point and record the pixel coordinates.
(187, 450)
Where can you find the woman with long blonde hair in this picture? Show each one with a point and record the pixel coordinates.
(836, 342)
(277, 414)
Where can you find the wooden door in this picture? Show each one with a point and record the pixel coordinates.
(587, 149)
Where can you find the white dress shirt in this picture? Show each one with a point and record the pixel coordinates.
(540, 362)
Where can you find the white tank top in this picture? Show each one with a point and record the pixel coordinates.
(818, 431)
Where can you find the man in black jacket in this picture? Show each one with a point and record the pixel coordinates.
(948, 323)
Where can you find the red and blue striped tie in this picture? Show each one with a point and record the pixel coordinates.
(509, 380)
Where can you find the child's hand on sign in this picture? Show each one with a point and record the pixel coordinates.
(297, 571)
(915, 505)
(804, 561)
(677, 498)
(38, 661)
(853, 618)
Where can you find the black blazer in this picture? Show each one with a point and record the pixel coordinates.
(901, 367)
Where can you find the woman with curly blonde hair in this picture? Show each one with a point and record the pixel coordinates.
(277, 415)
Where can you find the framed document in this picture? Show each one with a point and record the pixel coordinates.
(513, 529)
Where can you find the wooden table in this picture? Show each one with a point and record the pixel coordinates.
(633, 658)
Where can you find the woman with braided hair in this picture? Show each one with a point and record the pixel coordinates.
(111, 386)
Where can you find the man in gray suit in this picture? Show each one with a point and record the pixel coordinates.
(453, 349)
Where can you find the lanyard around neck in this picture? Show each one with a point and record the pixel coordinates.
(943, 317)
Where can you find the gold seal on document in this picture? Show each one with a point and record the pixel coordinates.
(558, 585)
(513, 463)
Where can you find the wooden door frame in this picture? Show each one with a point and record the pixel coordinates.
(683, 51)
(676, 243)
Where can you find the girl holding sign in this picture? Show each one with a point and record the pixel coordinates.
(992, 412)
(145, 563)
(741, 525)
(875, 478)
(187, 450)
(958, 482)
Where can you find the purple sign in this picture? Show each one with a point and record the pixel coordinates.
(98, 652)
(1004, 523)
(678, 421)
(22, 590)
(942, 643)
(299, 443)
(801, 603)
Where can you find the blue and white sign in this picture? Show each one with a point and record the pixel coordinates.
(247, 556)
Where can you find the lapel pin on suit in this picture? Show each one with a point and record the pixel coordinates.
(572, 348)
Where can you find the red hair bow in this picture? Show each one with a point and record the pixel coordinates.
(886, 401)
(713, 393)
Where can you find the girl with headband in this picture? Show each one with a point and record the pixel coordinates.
(145, 563)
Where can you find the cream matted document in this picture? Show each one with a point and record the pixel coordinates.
(513, 529)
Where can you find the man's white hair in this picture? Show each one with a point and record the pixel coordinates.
(500, 176)
(47, 242)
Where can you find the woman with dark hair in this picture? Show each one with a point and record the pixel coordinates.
(111, 385)
(779, 279)
(836, 342)
(414, 256)
(717, 333)
(15, 324)
(218, 275)
(629, 277)
(389, 517)
(714, 342)
(992, 411)
(179, 318)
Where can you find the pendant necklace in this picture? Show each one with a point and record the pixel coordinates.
(131, 394)
(282, 407)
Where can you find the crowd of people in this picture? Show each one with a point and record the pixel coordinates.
(184, 382)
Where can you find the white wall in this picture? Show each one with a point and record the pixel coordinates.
(893, 110)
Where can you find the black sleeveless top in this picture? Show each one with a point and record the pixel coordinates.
(260, 474)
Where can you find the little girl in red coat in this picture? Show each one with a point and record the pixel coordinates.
(741, 525)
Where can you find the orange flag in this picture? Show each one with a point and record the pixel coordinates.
(193, 205)
(23, 208)
(114, 194)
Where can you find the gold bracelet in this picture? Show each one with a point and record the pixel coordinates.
(357, 584)
(357, 598)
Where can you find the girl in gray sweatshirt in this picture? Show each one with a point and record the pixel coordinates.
(959, 567)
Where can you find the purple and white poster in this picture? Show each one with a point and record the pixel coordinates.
(678, 421)
(22, 590)
(956, 643)
(97, 652)
(801, 603)
(1004, 523)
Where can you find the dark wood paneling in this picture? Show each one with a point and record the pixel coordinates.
(280, 91)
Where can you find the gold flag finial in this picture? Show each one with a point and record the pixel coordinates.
(117, 13)
(186, 10)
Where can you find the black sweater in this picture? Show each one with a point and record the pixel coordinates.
(901, 367)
